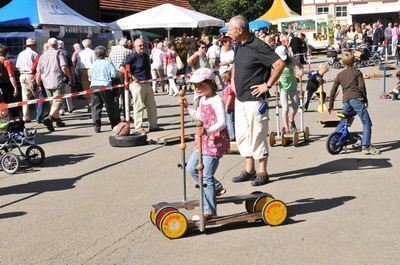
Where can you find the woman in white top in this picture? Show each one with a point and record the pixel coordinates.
(351, 37)
(227, 55)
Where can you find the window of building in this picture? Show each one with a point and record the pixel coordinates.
(321, 10)
(341, 11)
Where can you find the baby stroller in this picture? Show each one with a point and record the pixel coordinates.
(16, 136)
(335, 61)
(361, 56)
(375, 58)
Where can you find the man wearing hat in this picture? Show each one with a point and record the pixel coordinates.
(24, 64)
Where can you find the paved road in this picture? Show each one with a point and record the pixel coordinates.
(89, 203)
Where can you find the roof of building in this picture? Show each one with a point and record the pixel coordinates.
(139, 5)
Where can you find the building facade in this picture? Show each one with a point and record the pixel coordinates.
(354, 11)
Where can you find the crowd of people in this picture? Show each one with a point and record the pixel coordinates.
(372, 35)
(243, 65)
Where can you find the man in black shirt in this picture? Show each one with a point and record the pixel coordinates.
(251, 79)
(298, 48)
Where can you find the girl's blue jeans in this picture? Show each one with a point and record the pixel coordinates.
(210, 166)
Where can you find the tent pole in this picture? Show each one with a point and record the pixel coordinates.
(169, 34)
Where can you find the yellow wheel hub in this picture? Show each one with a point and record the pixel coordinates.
(174, 225)
(274, 212)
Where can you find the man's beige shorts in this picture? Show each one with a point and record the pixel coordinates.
(251, 129)
(53, 93)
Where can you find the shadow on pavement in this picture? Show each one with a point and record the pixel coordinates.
(168, 116)
(168, 106)
(44, 138)
(335, 167)
(311, 205)
(11, 214)
(65, 159)
(48, 185)
(387, 146)
(299, 207)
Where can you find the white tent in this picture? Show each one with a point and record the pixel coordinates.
(167, 16)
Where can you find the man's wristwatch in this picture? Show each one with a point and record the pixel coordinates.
(269, 86)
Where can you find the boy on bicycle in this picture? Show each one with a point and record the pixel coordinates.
(354, 99)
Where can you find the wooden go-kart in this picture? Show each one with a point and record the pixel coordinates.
(259, 206)
(293, 136)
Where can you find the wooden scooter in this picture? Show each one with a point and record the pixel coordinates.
(321, 106)
(259, 206)
(280, 136)
(173, 137)
(304, 132)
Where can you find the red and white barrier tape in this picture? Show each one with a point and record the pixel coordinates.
(81, 93)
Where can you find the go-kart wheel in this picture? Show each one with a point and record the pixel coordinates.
(332, 143)
(284, 141)
(272, 139)
(10, 163)
(250, 203)
(160, 214)
(296, 139)
(274, 212)
(35, 155)
(174, 225)
(153, 213)
(153, 217)
(261, 201)
(306, 134)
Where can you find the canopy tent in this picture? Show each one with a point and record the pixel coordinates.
(167, 16)
(259, 24)
(150, 35)
(43, 12)
(279, 9)
(253, 25)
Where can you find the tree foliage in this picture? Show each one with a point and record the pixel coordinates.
(225, 9)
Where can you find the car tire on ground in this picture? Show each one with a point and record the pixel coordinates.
(134, 139)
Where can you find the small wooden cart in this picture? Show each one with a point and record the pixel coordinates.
(259, 206)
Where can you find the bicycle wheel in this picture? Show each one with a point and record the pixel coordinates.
(34, 155)
(332, 143)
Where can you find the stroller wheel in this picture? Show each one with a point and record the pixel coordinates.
(35, 155)
(337, 65)
(10, 163)
(377, 62)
